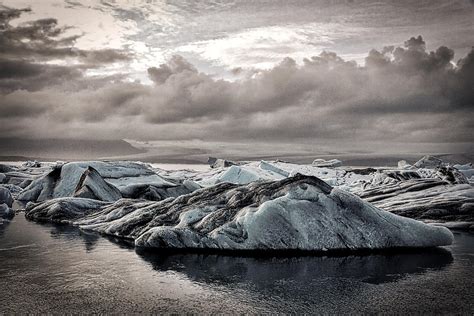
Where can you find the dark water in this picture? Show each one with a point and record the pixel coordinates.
(59, 269)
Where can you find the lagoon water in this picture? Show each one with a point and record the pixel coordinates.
(60, 269)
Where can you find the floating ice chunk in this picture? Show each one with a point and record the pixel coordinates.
(466, 170)
(430, 162)
(6, 212)
(467, 166)
(402, 164)
(243, 175)
(32, 164)
(268, 166)
(62, 210)
(327, 163)
(219, 163)
(6, 197)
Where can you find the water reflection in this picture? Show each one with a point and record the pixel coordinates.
(263, 271)
(3, 226)
(87, 272)
(89, 239)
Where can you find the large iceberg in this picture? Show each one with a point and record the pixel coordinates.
(441, 194)
(428, 201)
(296, 213)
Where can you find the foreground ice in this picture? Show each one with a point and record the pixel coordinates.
(296, 213)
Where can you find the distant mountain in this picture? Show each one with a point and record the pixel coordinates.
(63, 149)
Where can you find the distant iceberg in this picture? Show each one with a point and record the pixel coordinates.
(104, 181)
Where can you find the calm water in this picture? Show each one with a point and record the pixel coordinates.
(58, 269)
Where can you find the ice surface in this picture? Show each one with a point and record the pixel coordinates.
(424, 200)
(92, 185)
(62, 210)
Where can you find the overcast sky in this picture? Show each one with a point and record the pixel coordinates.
(257, 71)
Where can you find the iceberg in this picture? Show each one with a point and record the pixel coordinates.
(243, 175)
(297, 213)
(106, 181)
(62, 210)
(435, 192)
(327, 163)
(6, 212)
(6, 202)
(6, 197)
(219, 163)
(427, 200)
(430, 162)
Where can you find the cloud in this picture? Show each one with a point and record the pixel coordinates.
(21, 74)
(38, 54)
(175, 65)
(403, 94)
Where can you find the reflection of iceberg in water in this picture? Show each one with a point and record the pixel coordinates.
(67, 232)
(90, 239)
(3, 226)
(263, 271)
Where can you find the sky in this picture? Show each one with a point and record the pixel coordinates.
(333, 72)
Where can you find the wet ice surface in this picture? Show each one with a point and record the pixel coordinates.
(58, 269)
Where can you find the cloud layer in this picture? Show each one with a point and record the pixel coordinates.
(402, 94)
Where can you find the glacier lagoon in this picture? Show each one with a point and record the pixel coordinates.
(50, 268)
(96, 274)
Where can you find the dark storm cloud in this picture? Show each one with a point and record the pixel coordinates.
(403, 80)
(21, 74)
(402, 94)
